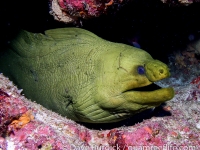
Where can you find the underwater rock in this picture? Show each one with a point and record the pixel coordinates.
(68, 11)
(11, 106)
(179, 2)
(71, 10)
(59, 14)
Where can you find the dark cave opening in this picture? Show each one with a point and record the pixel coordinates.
(159, 28)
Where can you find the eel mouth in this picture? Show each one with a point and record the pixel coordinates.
(151, 94)
(147, 88)
(150, 87)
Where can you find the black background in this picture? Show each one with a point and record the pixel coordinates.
(161, 28)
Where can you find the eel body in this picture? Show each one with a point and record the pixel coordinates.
(84, 77)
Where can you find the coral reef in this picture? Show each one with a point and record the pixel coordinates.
(48, 130)
(183, 60)
(194, 47)
(59, 14)
(10, 106)
(70, 10)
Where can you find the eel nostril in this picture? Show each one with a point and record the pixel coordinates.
(161, 71)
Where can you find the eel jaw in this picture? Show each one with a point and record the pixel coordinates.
(151, 94)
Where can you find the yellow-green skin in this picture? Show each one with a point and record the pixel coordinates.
(83, 77)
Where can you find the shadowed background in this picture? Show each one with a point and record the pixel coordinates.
(159, 28)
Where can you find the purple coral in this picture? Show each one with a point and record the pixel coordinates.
(84, 8)
(70, 10)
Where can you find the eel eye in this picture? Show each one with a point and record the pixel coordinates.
(141, 70)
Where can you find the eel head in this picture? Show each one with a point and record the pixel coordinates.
(126, 84)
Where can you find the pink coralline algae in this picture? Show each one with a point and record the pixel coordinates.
(85, 8)
(70, 10)
(44, 129)
(10, 108)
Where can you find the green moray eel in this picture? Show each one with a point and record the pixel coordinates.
(84, 77)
